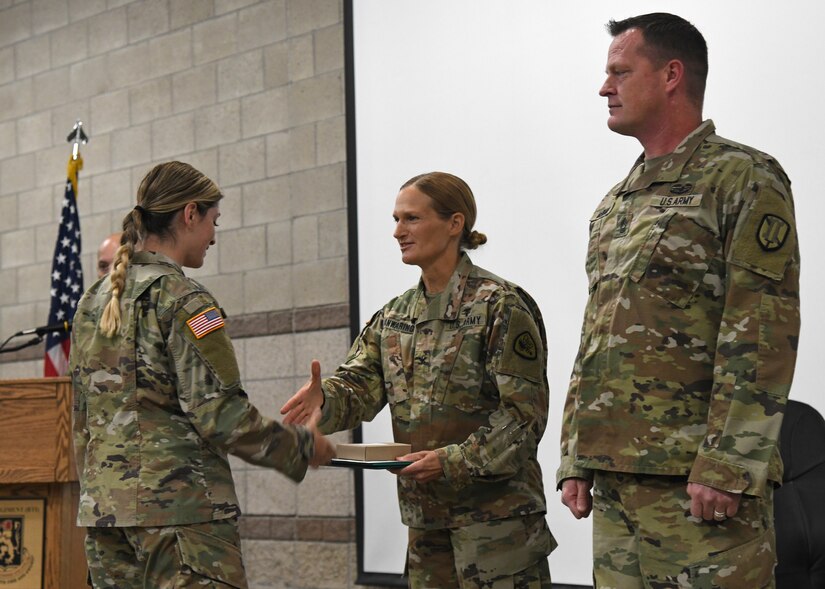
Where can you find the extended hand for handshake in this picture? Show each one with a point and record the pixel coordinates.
(304, 408)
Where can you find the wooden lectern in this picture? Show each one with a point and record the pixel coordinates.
(37, 463)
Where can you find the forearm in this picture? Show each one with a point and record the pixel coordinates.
(232, 424)
(355, 393)
(569, 431)
(501, 448)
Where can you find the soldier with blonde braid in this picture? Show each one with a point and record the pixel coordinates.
(461, 359)
(158, 404)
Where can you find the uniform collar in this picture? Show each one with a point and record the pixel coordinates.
(668, 168)
(447, 303)
(143, 258)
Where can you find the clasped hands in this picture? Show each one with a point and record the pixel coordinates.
(304, 408)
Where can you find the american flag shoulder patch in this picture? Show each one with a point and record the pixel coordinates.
(205, 322)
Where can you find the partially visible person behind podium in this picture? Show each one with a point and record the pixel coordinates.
(462, 361)
(159, 404)
(106, 253)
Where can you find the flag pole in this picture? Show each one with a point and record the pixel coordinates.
(67, 270)
(79, 137)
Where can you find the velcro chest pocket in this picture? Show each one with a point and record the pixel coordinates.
(397, 360)
(593, 263)
(675, 258)
(461, 371)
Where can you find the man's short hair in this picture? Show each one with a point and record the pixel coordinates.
(667, 37)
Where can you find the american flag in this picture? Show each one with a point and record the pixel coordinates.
(205, 322)
(67, 276)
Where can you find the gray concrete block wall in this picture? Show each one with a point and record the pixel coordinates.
(250, 92)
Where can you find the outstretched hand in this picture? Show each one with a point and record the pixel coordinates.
(309, 398)
(324, 449)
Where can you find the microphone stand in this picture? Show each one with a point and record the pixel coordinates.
(32, 342)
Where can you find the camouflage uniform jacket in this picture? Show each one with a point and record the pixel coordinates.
(690, 331)
(464, 375)
(157, 408)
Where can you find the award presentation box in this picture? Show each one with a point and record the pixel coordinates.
(371, 456)
(38, 487)
(388, 451)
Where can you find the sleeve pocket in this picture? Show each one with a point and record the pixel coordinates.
(779, 321)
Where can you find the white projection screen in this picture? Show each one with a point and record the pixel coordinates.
(505, 95)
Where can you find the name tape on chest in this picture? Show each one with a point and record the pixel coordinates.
(472, 321)
(404, 327)
(401, 326)
(684, 200)
(465, 322)
(205, 322)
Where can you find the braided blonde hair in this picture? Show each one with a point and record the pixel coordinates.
(450, 194)
(166, 189)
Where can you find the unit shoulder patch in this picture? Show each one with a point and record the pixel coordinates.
(766, 241)
(525, 346)
(522, 351)
(772, 232)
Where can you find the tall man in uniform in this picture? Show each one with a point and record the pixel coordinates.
(690, 334)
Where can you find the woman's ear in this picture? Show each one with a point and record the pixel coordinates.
(188, 214)
(456, 224)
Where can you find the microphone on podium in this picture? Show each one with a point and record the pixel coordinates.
(45, 329)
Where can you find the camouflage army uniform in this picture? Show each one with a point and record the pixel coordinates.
(157, 409)
(465, 375)
(688, 344)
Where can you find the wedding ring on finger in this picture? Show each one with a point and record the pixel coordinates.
(719, 516)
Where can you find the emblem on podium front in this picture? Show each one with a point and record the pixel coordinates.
(21, 543)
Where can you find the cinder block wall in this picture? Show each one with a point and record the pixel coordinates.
(251, 93)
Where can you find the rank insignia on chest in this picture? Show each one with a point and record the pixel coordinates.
(205, 322)
(525, 347)
(772, 233)
(681, 188)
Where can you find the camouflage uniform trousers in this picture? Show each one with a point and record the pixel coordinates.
(498, 554)
(205, 555)
(645, 537)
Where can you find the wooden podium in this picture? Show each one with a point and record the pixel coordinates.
(37, 463)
